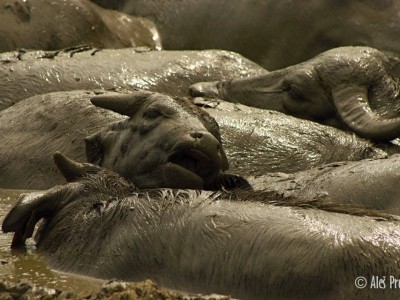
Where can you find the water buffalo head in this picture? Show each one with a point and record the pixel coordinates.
(165, 142)
(349, 87)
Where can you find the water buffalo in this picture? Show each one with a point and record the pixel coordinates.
(349, 87)
(209, 241)
(23, 75)
(273, 34)
(165, 142)
(51, 25)
(256, 141)
(170, 139)
(369, 183)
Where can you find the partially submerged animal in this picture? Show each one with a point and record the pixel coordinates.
(26, 74)
(371, 183)
(273, 34)
(228, 243)
(256, 141)
(52, 25)
(165, 142)
(353, 88)
(154, 141)
(259, 141)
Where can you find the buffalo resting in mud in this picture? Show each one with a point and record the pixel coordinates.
(165, 142)
(52, 25)
(370, 183)
(352, 88)
(220, 242)
(154, 140)
(255, 141)
(272, 33)
(30, 73)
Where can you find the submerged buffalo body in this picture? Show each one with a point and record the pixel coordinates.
(274, 34)
(23, 75)
(51, 25)
(206, 242)
(354, 88)
(373, 184)
(256, 141)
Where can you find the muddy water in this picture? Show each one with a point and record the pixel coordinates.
(27, 264)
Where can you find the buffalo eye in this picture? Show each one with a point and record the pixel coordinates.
(294, 93)
(152, 113)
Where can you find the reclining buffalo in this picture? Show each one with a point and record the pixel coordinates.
(273, 34)
(224, 242)
(370, 183)
(52, 25)
(353, 88)
(255, 141)
(23, 75)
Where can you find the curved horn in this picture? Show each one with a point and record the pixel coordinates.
(352, 106)
(72, 170)
(124, 104)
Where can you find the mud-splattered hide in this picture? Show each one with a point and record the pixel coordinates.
(165, 142)
(370, 183)
(207, 242)
(26, 74)
(352, 88)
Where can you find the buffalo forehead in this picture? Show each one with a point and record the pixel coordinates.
(180, 108)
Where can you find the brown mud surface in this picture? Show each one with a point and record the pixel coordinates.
(109, 290)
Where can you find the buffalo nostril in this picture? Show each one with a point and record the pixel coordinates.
(196, 135)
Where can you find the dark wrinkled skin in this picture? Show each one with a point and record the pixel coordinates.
(23, 75)
(256, 141)
(51, 25)
(205, 242)
(352, 88)
(275, 35)
(373, 184)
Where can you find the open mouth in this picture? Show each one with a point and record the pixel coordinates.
(195, 161)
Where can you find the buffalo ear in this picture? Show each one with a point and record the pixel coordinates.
(124, 104)
(94, 149)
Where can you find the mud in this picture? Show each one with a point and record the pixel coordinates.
(109, 290)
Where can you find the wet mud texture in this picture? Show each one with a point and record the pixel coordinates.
(110, 290)
(25, 74)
